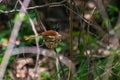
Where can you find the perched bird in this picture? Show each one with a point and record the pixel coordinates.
(50, 37)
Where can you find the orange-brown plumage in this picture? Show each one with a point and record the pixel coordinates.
(50, 33)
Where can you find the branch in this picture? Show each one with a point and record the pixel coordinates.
(103, 12)
(71, 28)
(12, 41)
(35, 7)
(45, 52)
(0, 1)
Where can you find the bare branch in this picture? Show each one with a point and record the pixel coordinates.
(35, 7)
(0, 1)
(12, 41)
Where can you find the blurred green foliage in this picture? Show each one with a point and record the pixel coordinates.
(3, 7)
(45, 75)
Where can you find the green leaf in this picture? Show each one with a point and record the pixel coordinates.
(58, 49)
(90, 39)
(113, 8)
(113, 19)
(76, 33)
(3, 7)
(45, 75)
(22, 15)
(105, 22)
(4, 33)
(3, 40)
(81, 46)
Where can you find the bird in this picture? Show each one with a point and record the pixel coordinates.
(51, 38)
(45, 33)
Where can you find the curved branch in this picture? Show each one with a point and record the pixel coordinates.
(45, 52)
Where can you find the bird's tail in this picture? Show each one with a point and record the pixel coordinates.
(30, 37)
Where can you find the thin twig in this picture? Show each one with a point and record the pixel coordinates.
(92, 11)
(36, 34)
(76, 14)
(88, 56)
(57, 68)
(40, 22)
(71, 28)
(58, 59)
